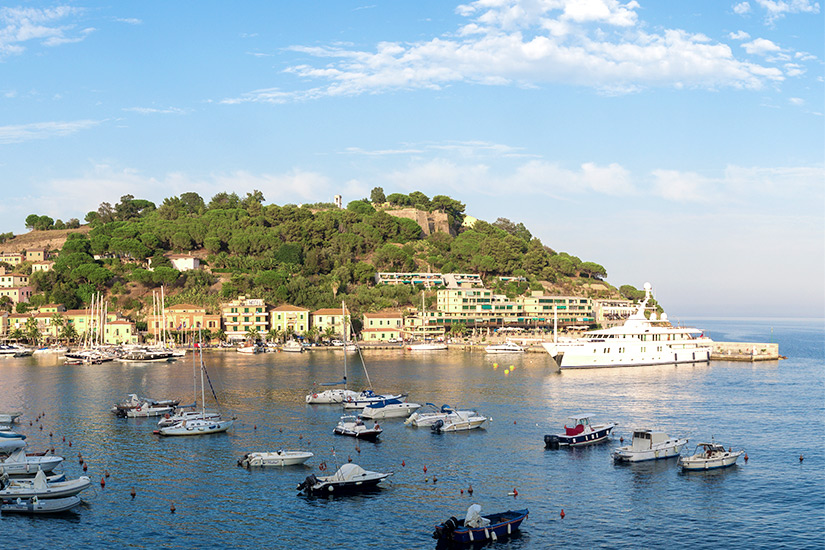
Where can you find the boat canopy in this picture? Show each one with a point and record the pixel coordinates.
(350, 471)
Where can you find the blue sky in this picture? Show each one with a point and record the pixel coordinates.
(680, 143)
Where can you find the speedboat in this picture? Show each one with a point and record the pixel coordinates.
(506, 347)
(581, 433)
(9, 441)
(251, 348)
(277, 458)
(134, 402)
(349, 477)
(431, 414)
(18, 462)
(353, 426)
(145, 355)
(40, 487)
(198, 426)
(709, 456)
(389, 408)
(641, 340)
(477, 528)
(459, 422)
(649, 445)
(51, 349)
(148, 409)
(368, 397)
(39, 506)
(293, 346)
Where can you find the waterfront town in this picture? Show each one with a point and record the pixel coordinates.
(463, 306)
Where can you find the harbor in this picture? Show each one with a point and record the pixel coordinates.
(199, 478)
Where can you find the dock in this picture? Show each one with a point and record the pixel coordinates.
(744, 351)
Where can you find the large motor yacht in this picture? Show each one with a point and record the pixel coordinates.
(639, 341)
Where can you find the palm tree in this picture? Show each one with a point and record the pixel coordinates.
(68, 333)
(58, 321)
(273, 334)
(16, 334)
(311, 334)
(329, 332)
(252, 334)
(32, 331)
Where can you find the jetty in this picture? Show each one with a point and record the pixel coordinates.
(744, 351)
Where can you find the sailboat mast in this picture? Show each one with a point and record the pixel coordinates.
(194, 373)
(344, 322)
(203, 397)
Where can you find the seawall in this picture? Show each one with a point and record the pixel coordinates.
(744, 351)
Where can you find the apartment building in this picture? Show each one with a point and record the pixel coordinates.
(242, 316)
(289, 319)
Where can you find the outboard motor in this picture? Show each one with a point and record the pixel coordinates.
(308, 483)
(445, 530)
(436, 427)
(551, 442)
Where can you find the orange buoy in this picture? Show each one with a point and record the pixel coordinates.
(70, 443)
(106, 473)
(64, 439)
(746, 457)
(425, 469)
(435, 479)
(132, 492)
(515, 492)
(80, 461)
(403, 463)
(103, 482)
(85, 466)
(254, 426)
(562, 513)
(349, 458)
(801, 458)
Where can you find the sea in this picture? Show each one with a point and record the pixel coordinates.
(773, 410)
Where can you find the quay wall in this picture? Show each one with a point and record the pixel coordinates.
(744, 351)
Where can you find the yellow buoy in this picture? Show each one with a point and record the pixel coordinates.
(506, 371)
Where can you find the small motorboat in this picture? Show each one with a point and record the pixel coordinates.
(19, 463)
(506, 347)
(649, 445)
(10, 441)
(368, 397)
(199, 426)
(134, 402)
(39, 506)
(389, 408)
(149, 409)
(293, 346)
(477, 528)
(709, 456)
(353, 426)
(349, 477)
(277, 458)
(430, 414)
(458, 422)
(582, 433)
(249, 349)
(41, 488)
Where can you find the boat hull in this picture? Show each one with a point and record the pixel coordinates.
(390, 411)
(59, 489)
(30, 465)
(597, 435)
(279, 458)
(45, 506)
(501, 525)
(370, 434)
(590, 355)
(196, 428)
(660, 452)
(696, 464)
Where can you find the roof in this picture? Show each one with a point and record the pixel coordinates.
(329, 311)
(384, 315)
(287, 307)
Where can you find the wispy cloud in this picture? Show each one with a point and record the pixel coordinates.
(43, 130)
(21, 25)
(777, 9)
(601, 44)
(129, 20)
(157, 111)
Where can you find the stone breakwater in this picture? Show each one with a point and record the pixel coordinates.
(744, 351)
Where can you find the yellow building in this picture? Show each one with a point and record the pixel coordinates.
(286, 318)
(382, 326)
(567, 309)
(120, 331)
(10, 280)
(183, 317)
(242, 316)
(17, 294)
(42, 266)
(12, 258)
(37, 254)
(329, 317)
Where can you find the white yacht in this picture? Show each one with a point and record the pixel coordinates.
(293, 346)
(709, 456)
(639, 341)
(649, 445)
(506, 347)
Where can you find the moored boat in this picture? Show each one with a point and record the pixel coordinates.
(10, 441)
(432, 414)
(349, 478)
(353, 426)
(389, 408)
(709, 456)
(276, 458)
(39, 506)
(293, 346)
(18, 462)
(459, 422)
(427, 346)
(649, 445)
(368, 397)
(581, 433)
(9, 417)
(41, 488)
(476, 528)
(506, 347)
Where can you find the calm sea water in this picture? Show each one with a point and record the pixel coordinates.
(774, 410)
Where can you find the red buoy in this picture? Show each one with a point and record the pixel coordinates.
(425, 469)
(562, 513)
(103, 482)
(462, 491)
(85, 467)
(746, 457)
(172, 509)
(470, 489)
(435, 479)
(403, 463)
(133, 492)
(515, 492)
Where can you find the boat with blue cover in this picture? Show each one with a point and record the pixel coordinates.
(477, 528)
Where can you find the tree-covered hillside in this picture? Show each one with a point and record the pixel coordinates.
(309, 255)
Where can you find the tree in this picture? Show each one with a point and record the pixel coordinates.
(58, 321)
(68, 333)
(31, 330)
(360, 207)
(252, 334)
(31, 220)
(377, 196)
(399, 199)
(593, 270)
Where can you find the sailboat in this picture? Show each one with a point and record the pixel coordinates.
(202, 424)
(350, 398)
(194, 414)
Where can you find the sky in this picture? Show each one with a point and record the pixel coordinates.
(676, 143)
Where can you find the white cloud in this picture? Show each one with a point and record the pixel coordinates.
(776, 9)
(761, 46)
(741, 8)
(796, 101)
(739, 35)
(155, 110)
(42, 130)
(129, 20)
(21, 25)
(594, 43)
